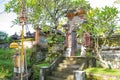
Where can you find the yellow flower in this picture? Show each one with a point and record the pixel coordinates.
(91, 12)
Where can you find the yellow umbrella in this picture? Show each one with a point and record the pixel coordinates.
(14, 45)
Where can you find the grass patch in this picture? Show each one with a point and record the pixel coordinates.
(103, 71)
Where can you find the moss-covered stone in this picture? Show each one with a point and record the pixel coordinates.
(102, 74)
(35, 70)
(100, 77)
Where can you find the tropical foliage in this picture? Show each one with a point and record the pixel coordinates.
(6, 64)
(4, 38)
(44, 15)
(48, 15)
(101, 24)
(39, 14)
(3, 35)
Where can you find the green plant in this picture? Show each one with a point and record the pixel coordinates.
(6, 63)
(103, 71)
(51, 56)
(101, 25)
(28, 54)
(78, 53)
(88, 54)
(36, 70)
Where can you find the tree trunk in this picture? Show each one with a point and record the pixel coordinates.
(98, 49)
(104, 64)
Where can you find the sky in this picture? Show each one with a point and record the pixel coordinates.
(6, 21)
(6, 18)
(101, 3)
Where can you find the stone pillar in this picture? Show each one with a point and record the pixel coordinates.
(69, 41)
(83, 51)
(43, 73)
(74, 43)
(79, 75)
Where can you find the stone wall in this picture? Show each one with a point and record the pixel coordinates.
(4, 45)
(112, 56)
(27, 44)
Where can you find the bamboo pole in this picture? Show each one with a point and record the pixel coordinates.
(22, 21)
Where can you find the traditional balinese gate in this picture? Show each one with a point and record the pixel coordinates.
(74, 18)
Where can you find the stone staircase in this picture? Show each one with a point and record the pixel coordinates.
(65, 69)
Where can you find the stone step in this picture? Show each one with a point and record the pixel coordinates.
(72, 58)
(54, 78)
(63, 75)
(65, 69)
(69, 62)
(75, 66)
(70, 77)
(68, 68)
